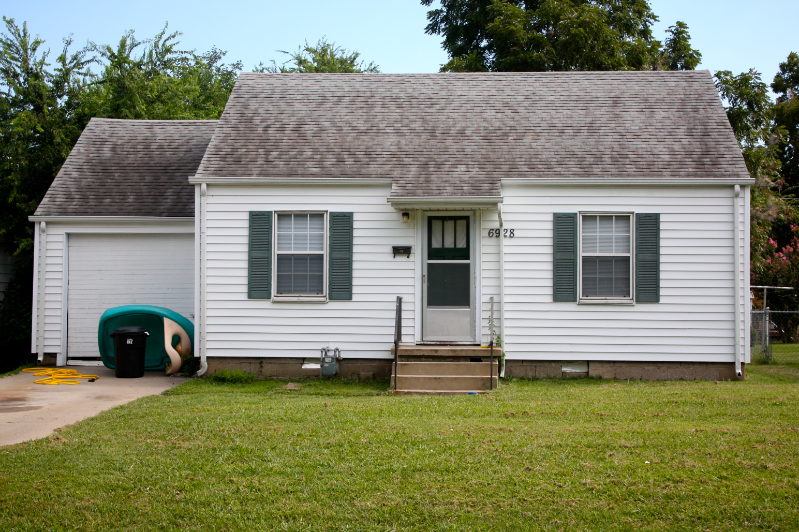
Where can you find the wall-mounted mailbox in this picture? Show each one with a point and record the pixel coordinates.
(401, 250)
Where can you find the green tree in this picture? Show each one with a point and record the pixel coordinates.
(750, 111)
(773, 218)
(323, 57)
(786, 115)
(555, 35)
(153, 79)
(39, 123)
(677, 51)
(44, 108)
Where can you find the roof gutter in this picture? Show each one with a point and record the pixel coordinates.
(629, 182)
(427, 202)
(112, 219)
(289, 181)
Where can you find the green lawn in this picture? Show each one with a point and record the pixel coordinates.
(786, 354)
(577, 455)
(16, 370)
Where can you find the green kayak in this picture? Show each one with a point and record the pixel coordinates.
(170, 335)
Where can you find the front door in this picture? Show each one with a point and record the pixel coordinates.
(448, 287)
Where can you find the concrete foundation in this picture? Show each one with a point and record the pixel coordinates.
(291, 368)
(367, 369)
(654, 371)
(48, 359)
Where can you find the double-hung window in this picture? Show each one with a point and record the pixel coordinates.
(300, 254)
(605, 256)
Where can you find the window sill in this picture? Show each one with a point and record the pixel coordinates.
(629, 302)
(299, 299)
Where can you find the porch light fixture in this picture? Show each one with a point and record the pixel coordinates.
(406, 217)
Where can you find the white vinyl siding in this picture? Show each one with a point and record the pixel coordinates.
(489, 275)
(107, 271)
(53, 311)
(694, 320)
(361, 328)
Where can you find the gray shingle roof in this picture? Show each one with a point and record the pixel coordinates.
(459, 134)
(130, 168)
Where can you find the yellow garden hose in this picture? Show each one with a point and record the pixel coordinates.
(55, 376)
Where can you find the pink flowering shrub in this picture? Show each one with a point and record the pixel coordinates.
(775, 266)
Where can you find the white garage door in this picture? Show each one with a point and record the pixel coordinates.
(111, 270)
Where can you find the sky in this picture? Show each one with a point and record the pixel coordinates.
(731, 34)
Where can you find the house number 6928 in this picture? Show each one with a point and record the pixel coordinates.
(507, 233)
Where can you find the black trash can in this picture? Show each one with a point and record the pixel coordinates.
(130, 344)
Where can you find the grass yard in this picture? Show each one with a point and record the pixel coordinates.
(548, 455)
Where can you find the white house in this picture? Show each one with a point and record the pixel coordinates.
(605, 213)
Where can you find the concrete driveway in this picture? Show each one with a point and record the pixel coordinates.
(30, 411)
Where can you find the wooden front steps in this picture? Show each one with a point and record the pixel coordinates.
(445, 370)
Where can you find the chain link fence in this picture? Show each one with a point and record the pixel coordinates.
(772, 327)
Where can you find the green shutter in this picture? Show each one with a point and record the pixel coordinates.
(647, 258)
(340, 266)
(259, 265)
(564, 264)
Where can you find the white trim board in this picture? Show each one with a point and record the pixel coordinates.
(161, 220)
(434, 203)
(290, 181)
(37, 264)
(627, 182)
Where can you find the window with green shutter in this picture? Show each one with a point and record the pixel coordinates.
(301, 256)
(259, 265)
(597, 250)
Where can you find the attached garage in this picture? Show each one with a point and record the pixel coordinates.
(109, 270)
(116, 228)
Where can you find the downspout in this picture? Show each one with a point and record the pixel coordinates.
(502, 284)
(42, 287)
(201, 320)
(737, 272)
(35, 295)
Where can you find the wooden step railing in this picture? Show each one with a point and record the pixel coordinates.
(397, 336)
(491, 343)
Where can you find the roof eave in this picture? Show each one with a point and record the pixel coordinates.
(284, 181)
(111, 219)
(630, 182)
(427, 202)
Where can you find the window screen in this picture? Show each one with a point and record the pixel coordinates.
(605, 256)
(448, 285)
(300, 254)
